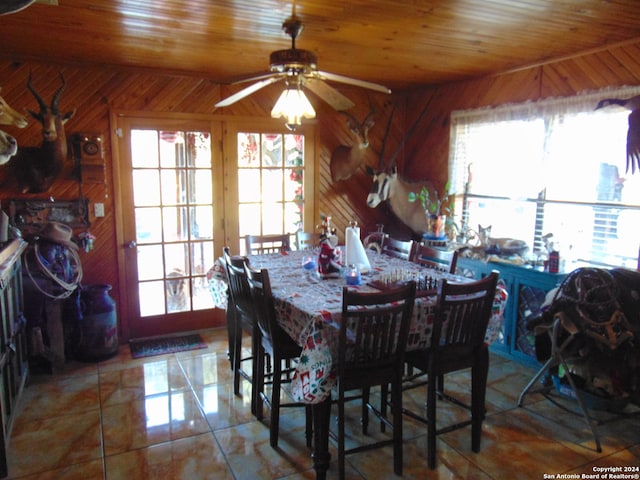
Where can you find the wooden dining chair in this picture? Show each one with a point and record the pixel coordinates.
(457, 342)
(373, 337)
(307, 240)
(404, 249)
(242, 317)
(275, 343)
(436, 258)
(261, 244)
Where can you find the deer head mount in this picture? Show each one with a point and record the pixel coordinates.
(35, 168)
(345, 160)
(8, 116)
(8, 144)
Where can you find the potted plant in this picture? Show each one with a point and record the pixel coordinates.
(436, 208)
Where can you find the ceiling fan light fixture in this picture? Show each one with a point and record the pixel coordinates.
(293, 105)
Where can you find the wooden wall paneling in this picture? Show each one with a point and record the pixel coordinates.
(563, 78)
(97, 91)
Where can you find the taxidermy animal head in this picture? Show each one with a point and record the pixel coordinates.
(8, 144)
(35, 168)
(387, 185)
(8, 147)
(8, 116)
(345, 160)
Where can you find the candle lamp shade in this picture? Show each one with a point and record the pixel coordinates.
(293, 105)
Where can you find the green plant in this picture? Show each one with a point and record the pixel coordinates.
(432, 202)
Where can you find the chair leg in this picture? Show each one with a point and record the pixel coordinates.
(341, 455)
(479, 373)
(364, 415)
(440, 381)
(237, 359)
(308, 428)
(384, 392)
(396, 410)
(231, 335)
(258, 379)
(275, 402)
(256, 369)
(431, 426)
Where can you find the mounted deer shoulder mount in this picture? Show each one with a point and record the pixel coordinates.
(36, 168)
(8, 144)
(9, 116)
(346, 160)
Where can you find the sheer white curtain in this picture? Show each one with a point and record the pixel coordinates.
(557, 160)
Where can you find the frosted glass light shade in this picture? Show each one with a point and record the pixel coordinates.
(293, 105)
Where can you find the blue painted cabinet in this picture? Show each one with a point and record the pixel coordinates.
(527, 289)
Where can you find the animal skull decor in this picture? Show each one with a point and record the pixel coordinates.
(36, 168)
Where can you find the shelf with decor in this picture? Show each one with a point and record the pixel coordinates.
(13, 348)
(527, 288)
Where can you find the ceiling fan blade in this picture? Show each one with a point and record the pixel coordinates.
(254, 76)
(352, 81)
(245, 92)
(329, 94)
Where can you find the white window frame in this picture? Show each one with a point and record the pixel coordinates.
(531, 175)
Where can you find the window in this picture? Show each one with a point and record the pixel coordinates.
(552, 167)
(271, 173)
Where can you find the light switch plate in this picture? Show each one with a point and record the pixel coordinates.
(98, 209)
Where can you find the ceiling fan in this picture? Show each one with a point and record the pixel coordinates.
(14, 6)
(299, 68)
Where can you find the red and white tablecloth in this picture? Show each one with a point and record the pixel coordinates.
(309, 309)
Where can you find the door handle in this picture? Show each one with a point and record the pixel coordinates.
(131, 244)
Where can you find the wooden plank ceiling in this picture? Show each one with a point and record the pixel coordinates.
(402, 44)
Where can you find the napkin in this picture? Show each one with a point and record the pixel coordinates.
(354, 250)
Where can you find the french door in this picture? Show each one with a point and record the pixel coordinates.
(169, 216)
(269, 180)
(187, 186)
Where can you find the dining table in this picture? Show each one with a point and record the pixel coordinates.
(309, 307)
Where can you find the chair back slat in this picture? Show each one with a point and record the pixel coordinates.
(393, 247)
(436, 258)
(374, 326)
(307, 240)
(237, 281)
(262, 244)
(463, 313)
(262, 296)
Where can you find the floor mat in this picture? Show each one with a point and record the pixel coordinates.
(162, 345)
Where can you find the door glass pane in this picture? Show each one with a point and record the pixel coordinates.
(148, 266)
(271, 172)
(173, 195)
(146, 187)
(148, 225)
(144, 149)
(148, 290)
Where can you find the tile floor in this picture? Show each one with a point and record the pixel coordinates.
(175, 417)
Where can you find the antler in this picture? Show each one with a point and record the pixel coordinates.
(43, 105)
(384, 139)
(56, 96)
(406, 136)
